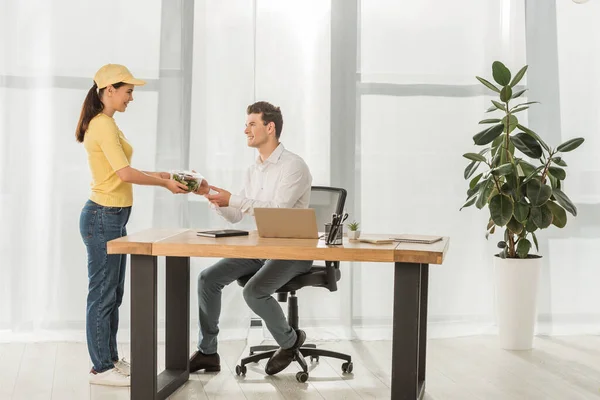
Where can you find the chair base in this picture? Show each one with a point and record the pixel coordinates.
(258, 353)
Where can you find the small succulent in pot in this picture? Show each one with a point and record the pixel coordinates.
(353, 230)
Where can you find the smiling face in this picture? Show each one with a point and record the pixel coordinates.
(118, 98)
(257, 133)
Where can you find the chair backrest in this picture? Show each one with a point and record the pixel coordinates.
(326, 201)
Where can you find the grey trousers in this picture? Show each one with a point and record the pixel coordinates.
(269, 275)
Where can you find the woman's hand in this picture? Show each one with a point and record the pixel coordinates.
(176, 187)
(164, 175)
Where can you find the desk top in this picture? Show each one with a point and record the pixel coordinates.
(185, 243)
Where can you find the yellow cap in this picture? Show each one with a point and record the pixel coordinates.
(115, 73)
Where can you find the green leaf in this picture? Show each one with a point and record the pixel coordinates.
(511, 182)
(496, 144)
(533, 174)
(558, 173)
(515, 226)
(521, 211)
(537, 248)
(535, 136)
(513, 123)
(475, 157)
(518, 94)
(500, 73)
(518, 76)
(470, 201)
(506, 93)
(559, 161)
(488, 135)
(502, 170)
(488, 84)
(504, 157)
(554, 183)
(516, 110)
(541, 216)
(484, 193)
(492, 108)
(570, 145)
(527, 145)
(526, 167)
(490, 121)
(530, 226)
(559, 213)
(538, 193)
(564, 201)
(474, 189)
(498, 105)
(496, 160)
(474, 181)
(471, 168)
(501, 209)
(523, 248)
(526, 104)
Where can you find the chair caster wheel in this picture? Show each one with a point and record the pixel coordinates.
(302, 376)
(347, 367)
(314, 358)
(240, 370)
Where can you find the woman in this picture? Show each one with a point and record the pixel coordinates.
(106, 213)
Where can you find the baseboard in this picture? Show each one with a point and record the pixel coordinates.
(363, 328)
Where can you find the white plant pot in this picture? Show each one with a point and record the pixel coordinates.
(516, 300)
(353, 235)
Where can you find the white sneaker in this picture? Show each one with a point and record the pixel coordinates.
(111, 377)
(123, 366)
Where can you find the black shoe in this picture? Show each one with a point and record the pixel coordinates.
(284, 357)
(207, 362)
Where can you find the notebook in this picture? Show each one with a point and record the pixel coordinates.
(222, 233)
(419, 239)
(375, 240)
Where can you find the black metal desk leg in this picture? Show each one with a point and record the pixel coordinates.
(423, 323)
(177, 329)
(143, 327)
(406, 350)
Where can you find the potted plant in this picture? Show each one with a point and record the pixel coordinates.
(353, 232)
(520, 179)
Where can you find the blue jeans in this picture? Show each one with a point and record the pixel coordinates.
(106, 275)
(269, 275)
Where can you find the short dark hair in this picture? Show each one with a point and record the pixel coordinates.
(269, 112)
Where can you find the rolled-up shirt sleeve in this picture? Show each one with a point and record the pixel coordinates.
(295, 182)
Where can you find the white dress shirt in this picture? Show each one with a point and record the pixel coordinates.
(282, 181)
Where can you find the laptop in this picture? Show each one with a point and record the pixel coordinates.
(290, 223)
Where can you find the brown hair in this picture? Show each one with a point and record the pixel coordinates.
(92, 106)
(270, 113)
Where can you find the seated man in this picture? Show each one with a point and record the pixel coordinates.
(278, 178)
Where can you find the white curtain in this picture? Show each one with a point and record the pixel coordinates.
(572, 297)
(418, 107)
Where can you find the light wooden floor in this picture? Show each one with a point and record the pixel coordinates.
(561, 368)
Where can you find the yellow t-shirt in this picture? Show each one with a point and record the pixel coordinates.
(108, 151)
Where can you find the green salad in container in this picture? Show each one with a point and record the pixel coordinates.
(191, 179)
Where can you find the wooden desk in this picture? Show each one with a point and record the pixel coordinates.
(411, 276)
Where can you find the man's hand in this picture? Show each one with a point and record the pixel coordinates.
(220, 199)
(203, 189)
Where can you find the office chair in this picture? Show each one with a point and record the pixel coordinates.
(325, 201)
